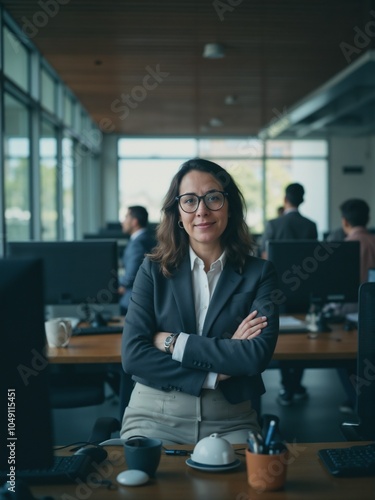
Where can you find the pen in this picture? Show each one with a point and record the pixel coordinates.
(270, 433)
(253, 442)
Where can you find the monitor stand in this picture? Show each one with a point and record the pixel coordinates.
(318, 321)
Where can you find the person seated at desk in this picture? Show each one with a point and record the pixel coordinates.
(141, 242)
(291, 225)
(196, 337)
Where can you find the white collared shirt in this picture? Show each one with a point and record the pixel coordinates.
(204, 285)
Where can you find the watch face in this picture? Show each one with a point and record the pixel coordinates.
(168, 341)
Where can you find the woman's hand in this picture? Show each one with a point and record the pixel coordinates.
(250, 327)
(159, 339)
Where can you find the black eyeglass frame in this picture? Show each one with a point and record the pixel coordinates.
(224, 193)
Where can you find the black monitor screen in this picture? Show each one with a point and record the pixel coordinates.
(311, 270)
(75, 272)
(26, 437)
(364, 379)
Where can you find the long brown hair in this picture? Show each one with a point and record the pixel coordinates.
(173, 242)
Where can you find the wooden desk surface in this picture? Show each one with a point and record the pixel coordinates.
(336, 345)
(104, 348)
(307, 479)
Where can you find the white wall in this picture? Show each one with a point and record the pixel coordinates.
(346, 151)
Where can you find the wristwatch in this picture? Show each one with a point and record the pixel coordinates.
(169, 341)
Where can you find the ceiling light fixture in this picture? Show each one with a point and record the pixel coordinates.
(215, 122)
(213, 51)
(230, 100)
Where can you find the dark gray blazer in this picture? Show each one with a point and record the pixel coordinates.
(167, 304)
(132, 258)
(291, 226)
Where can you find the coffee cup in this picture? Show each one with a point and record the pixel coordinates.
(58, 332)
(266, 472)
(143, 453)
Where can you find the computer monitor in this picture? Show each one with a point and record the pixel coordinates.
(314, 272)
(80, 277)
(365, 379)
(26, 437)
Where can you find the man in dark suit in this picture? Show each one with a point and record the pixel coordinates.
(141, 242)
(290, 226)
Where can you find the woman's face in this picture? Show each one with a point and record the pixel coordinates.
(204, 226)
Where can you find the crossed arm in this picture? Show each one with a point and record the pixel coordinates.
(248, 329)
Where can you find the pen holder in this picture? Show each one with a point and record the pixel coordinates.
(266, 472)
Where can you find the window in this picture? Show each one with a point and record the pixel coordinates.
(48, 92)
(16, 60)
(298, 161)
(68, 110)
(261, 170)
(48, 181)
(66, 177)
(17, 170)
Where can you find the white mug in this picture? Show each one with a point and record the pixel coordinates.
(58, 332)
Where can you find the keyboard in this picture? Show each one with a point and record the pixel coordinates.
(63, 470)
(97, 330)
(349, 462)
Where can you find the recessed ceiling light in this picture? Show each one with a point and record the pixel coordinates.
(230, 100)
(213, 51)
(215, 122)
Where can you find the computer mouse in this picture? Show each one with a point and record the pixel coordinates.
(132, 477)
(96, 453)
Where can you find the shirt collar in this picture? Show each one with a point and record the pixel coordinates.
(289, 210)
(194, 258)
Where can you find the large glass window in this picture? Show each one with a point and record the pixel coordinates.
(16, 60)
(17, 170)
(48, 94)
(48, 181)
(38, 164)
(261, 170)
(152, 161)
(68, 110)
(66, 177)
(298, 161)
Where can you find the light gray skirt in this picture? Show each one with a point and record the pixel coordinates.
(179, 418)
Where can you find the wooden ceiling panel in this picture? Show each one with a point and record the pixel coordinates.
(276, 53)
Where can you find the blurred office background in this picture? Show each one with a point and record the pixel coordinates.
(100, 104)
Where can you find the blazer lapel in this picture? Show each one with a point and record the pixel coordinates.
(182, 289)
(226, 286)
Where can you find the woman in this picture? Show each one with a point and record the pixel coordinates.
(196, 335)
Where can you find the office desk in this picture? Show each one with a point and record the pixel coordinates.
(104, 348)
(333, 346)
(306, 479)
(329, 350)
(330, 347)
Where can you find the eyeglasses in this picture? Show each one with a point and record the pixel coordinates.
(189, 202)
